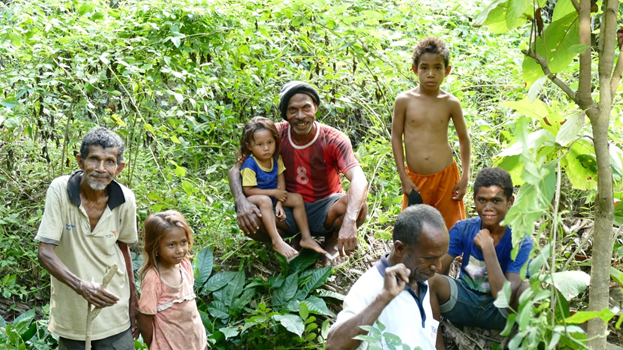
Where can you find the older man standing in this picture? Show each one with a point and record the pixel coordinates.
(314, 155)
(88, 223)
(395, 291)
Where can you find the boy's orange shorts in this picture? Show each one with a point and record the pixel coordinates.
(436, 190)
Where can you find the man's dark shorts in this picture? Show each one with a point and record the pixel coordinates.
(470, 308)
(316, 216)
(121, 341)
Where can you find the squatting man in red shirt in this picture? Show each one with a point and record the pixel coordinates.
(314, 155)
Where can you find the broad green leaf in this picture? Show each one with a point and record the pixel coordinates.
(571, 283)
(303, 311)
(291, 322)
(317, 279)
(305, 259)
(316, 305)
(232, 290)
(392, 339)
(560, 36)
(330, 294)
(373, 331)
(577, 165)
(203, 263)
(179, 171)
(218, 281)
(536, 88)
(188, 187)
(287, 291)
(372, 14)
(534, 109)
(30, 332)
(496, 19)
(579, 48)
(618, 214)
(570, 129)
(366, 338)
(218, 310)
(229, 332)
(515, 10)
(504, 296)
(10, 104)
(616, 275)
(482, 17)
(85, 9)
(562, 9)
(22, 322)
(510, 322)
(583, 316)
(244, 299)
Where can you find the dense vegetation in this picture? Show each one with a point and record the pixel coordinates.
(178, 78)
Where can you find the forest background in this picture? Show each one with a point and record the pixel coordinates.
(177, 79)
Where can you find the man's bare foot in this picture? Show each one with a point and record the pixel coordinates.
(311, 243)
(284, 249)
(330, 246)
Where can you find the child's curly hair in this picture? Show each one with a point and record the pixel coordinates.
(250, 127)
(431, 45)
(156, 227)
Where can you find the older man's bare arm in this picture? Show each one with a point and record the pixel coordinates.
(92, 292)
(248, 214)
(356, 196)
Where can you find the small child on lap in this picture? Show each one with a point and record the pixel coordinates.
(263, 183)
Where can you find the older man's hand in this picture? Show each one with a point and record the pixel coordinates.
(247, 216)
(347, 238)
(97, 295)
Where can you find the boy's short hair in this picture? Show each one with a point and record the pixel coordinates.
(431, 45)
(499, 177)
(409, 224)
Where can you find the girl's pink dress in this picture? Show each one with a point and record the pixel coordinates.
(177, 324)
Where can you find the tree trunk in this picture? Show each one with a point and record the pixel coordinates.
(604, 202)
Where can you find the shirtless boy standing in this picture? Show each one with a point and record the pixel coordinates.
(423, 115)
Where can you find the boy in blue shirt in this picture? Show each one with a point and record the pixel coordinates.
(486, 246)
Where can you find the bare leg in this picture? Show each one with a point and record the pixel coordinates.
(334, 219)
(268, 218)
(295, 201)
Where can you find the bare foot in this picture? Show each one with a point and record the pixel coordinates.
(284, 249)
(311, 243)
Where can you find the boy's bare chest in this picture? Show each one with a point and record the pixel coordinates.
(430, 115)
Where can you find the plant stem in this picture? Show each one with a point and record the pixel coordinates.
(554, 234)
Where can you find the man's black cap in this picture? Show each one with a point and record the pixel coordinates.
(292, 88)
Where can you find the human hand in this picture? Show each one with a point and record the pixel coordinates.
(96, 295)
(279, 212)
(247, 216)
(408, 185)
(347, 238)
(483, 238)
(459, 190)
(396, 277)
(280, 195)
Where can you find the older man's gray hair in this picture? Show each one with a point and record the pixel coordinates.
(104, 138)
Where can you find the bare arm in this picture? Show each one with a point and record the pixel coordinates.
(92, 292)
(398, 125)
(125, 250)
(247, 212)
(356, 194)
(146, 327)
(465, 150)
(484, 241)
(341, 336)
(446, 262)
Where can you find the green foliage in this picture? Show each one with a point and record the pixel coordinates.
(378, 339)
(244, 316)
(26, 333)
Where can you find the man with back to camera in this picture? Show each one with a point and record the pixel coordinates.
(88, 224)
(395, 291)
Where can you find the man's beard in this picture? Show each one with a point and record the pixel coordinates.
(97, 186)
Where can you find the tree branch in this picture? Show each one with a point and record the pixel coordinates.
(618, 71)
(576, 5)
(583, 93)
(543, 63)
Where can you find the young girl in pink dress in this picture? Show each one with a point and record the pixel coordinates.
(169, 318)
